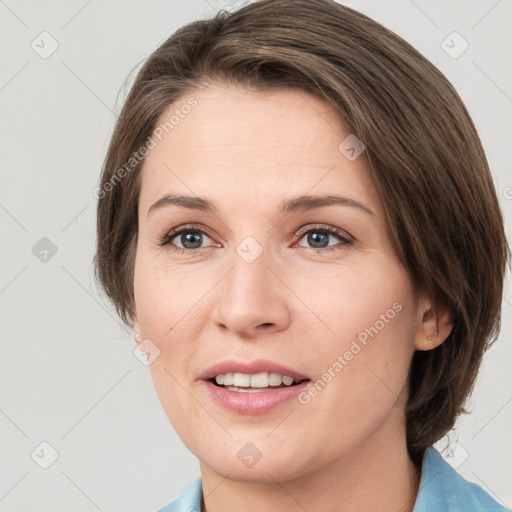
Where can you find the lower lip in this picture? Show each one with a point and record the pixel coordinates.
(253, 403)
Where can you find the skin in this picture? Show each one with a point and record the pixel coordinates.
(296, 304)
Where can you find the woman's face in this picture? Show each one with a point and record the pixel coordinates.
(256, 282)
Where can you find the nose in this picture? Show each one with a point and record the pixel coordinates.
(252, 299)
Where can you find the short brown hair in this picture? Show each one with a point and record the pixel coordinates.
(426, 159)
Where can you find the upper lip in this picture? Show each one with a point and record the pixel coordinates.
(251, 367)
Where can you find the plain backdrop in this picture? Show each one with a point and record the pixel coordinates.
(69, 378)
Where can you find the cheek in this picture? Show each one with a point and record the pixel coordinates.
(197, 429)
(165, 296)
(354, 303)
(369, 324)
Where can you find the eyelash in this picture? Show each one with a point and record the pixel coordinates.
(166, 239)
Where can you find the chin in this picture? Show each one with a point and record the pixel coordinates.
(258, 462)
(262, 472)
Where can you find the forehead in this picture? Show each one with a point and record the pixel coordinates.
(242, 143)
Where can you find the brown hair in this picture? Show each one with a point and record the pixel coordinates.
(426, 159)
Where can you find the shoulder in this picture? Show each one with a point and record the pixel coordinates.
(189, 501)
(442, 488)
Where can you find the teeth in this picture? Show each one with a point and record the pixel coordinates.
(274, 379)
(241, 380)
(228, 379)
(257, 380)
(287, 381)
(247, 390)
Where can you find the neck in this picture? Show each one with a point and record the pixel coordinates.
(371, 478)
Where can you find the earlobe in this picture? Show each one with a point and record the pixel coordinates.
(434, 327)
(135, 326)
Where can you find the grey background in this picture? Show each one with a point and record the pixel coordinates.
(68, 374)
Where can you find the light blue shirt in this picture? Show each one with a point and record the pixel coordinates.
(441, 489)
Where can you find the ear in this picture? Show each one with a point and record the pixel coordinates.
(435, 323)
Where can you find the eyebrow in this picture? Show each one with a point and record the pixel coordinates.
(301, 203)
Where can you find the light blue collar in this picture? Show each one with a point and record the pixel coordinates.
(443, 489)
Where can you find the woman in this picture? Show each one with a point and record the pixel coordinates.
(297, 220)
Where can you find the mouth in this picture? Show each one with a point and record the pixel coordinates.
(255, 387)
(254, 383)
